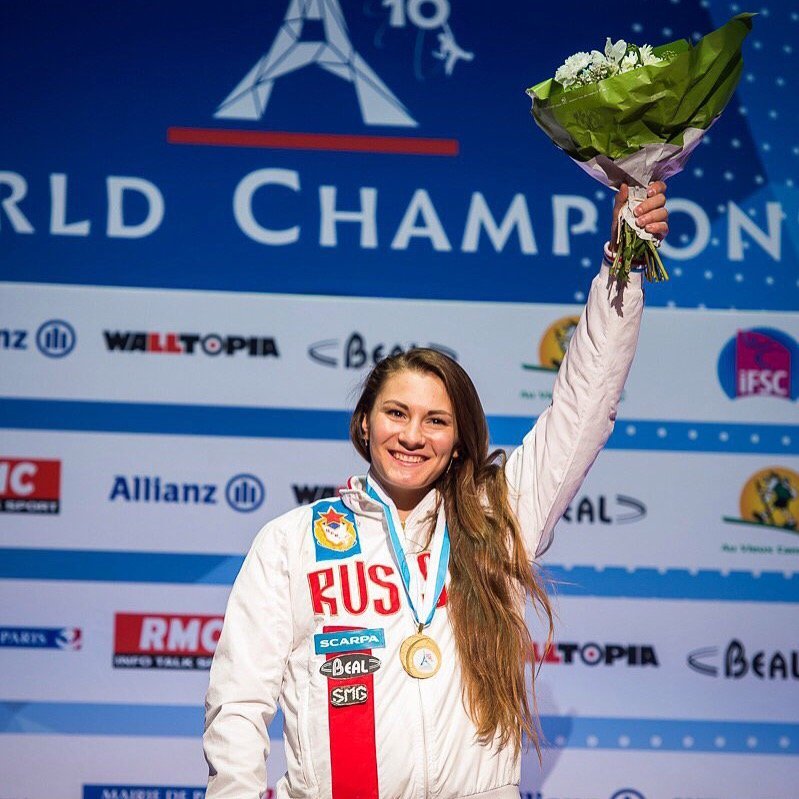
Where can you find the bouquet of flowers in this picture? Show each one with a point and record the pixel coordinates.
(635, 114)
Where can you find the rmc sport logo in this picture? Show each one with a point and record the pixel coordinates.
(30, 485)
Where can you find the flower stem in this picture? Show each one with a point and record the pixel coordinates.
(633, 250)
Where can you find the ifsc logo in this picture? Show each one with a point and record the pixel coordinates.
(245, 493)
(553, 345)
(760, 362)
(55, 338)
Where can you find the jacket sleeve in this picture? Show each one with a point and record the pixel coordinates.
(247, 671)
(546, 471)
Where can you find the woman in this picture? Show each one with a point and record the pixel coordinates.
(389, 623)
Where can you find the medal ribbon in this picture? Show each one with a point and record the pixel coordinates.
(422, 609)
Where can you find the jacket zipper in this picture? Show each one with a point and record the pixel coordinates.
(424, 740)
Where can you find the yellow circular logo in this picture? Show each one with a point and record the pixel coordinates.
(555, 342)
(771, 497)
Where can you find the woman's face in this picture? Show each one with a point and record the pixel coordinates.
(411, 431)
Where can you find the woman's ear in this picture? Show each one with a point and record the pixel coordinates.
(364, 430)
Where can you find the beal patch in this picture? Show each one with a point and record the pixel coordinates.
(347, 695)
(343, 667)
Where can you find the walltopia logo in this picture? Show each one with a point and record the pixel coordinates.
(306, 494)
(212, 344)
(594, 654)
(770, 498)
(761, 362)
(30, 485)
(735, 663)
(165, 641)
(243, 492)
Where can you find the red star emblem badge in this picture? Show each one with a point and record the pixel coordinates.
(332, 516)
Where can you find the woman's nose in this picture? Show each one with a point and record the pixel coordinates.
(411, 435)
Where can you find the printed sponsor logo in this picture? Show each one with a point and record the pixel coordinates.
(68, 638)
(54, 338)
(760, 362)
(346, 695)
(165, 640)
(333, 643)
(594, 654)
(29, 485)
(628, 793)
(769, 499)
(734, 662)
(552, 348)
(354, 353)
(212, 344)
(354, 587)
(243, 492)
(344, 667)
(308, 494)
(553, 345)
(602, 509)
(149, 792)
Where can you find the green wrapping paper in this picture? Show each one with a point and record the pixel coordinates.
(642, 125)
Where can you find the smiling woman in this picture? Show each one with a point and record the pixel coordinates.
(389, 621)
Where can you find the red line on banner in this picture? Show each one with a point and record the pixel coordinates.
(353, 747)
(339, 142)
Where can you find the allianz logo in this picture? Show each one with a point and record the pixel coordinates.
(242, 492)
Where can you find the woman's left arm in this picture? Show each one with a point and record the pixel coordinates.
(546, 471)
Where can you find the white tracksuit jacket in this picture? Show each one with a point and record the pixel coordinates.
(301, 596)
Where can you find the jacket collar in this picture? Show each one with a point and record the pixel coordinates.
(354, 496)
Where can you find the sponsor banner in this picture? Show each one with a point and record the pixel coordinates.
(129, 646)
(69, 638)
(745, 371)
(165, 640)
(165, 766)
(142, 792)
(695, 511)
(146, 493)
(30, 485)
(710, 665)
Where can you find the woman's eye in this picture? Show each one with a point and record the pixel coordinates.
(395, 413)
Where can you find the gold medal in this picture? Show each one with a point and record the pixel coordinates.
(420, 656)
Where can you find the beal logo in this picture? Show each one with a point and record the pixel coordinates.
(30, 485)
(354, 352)
(770, 498)
(165, 641)
(761, 362)
(553, 345)
(55, 338)
(735, 662)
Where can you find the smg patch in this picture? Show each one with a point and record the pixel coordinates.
(334, 531)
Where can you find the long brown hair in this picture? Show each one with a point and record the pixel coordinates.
(490, 569)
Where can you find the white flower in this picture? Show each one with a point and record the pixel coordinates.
(630, 61)
(569, 74)
(615, 52)
(647, 56)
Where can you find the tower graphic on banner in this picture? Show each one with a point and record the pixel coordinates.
(249, 99)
